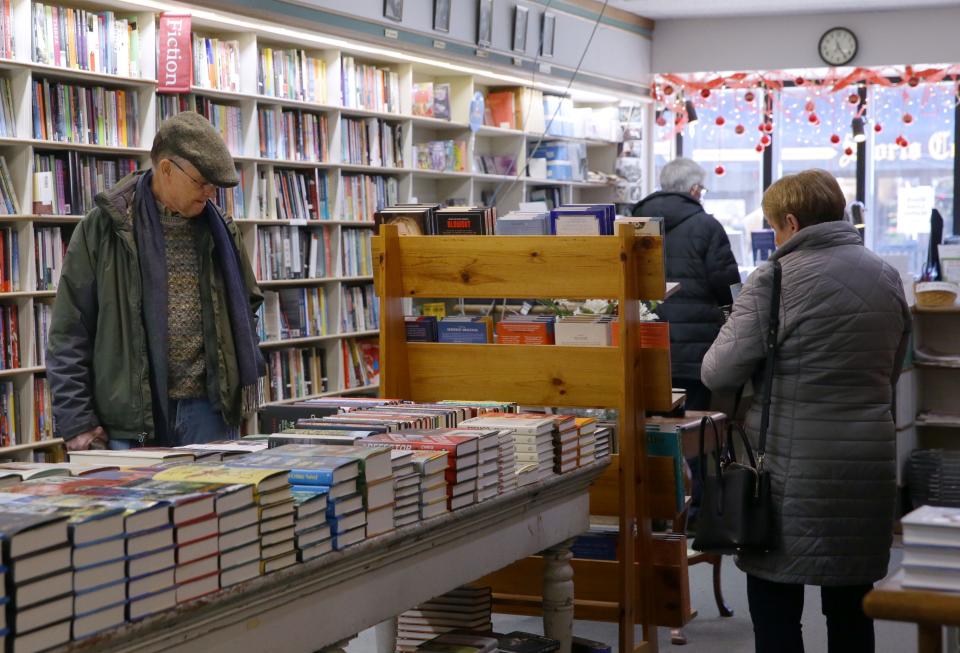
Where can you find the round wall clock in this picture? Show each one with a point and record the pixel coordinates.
(838, 46)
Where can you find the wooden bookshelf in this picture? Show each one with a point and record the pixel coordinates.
(257, 212)
(627, 268)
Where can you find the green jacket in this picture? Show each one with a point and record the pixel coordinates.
(97, 360)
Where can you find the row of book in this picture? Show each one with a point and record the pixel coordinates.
(495, 164)
(355, 253)
(371, 142)
(434, 219)
(294, 253)
(294, 313)
(292, 135)
(90, 115)
(65, 183)
(515, 108)
(6, 30)
(365, 86)
(361, 362)
(359, 309)
(292, 74)
(49, 248)
(216, 63)
(9, 337)
(9, 260)
(441, 156)
(42, 409)
(931, 545)
(8, 119)
(9, 204)
(431, 100)
(42, 318)
(96, 41)
(297, 194)
(294, 373)
(230, 200)
(225, 118)
(9, 416)
(362, 195)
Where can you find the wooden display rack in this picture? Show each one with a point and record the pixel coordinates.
(626, 268)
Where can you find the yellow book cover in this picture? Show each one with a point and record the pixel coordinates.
(122, 116)
(268, 88)
(263, 480)
(436, 309)
(71, 39)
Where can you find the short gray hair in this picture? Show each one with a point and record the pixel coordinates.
(680, 175)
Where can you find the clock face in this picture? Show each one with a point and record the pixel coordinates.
(838, 46)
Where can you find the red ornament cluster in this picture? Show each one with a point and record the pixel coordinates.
(901, 141)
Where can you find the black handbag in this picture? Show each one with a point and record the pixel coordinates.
(736, 508)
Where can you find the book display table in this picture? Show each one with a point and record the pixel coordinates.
(929, 609)
(306, 607)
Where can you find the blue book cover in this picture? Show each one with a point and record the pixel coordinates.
(304, 470)
(309, 489)
(463, 332)
(763, 244)
(421, 328)
(570, 221)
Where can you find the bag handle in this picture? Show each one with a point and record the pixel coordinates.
(773, 329)
(716, 438)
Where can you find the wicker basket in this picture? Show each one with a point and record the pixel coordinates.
(936, 294)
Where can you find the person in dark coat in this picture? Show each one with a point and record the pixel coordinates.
(698, 256)
(844, 330)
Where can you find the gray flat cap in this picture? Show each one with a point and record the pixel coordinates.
(191, 137)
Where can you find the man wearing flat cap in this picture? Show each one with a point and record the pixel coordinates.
(153, 336)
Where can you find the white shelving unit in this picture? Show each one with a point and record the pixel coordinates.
(413, 184)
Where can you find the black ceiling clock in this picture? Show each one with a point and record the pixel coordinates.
(838, 46)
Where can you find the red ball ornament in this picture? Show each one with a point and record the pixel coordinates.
(661, 121)
(853, 98)
(913, 82)
(668, 90)
(809, 107)
(721, 121)
(848, 151)
(720, 171)
(813, 119)
(835, 138)
(760, 148)
(768, 127)
(878, 128)
(904, 142)
(749, 96)
(739, 129)
(705, 93)
(899, 140)
(907, 118)
(799, 81)
(765, 140)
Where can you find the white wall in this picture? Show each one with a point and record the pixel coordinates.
(778, 42)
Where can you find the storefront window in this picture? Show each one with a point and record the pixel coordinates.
(802, 143)
(909, 181)
(733, 197)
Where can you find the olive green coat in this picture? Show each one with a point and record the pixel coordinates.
(97, 360)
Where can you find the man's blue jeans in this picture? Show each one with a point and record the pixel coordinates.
(192, 421)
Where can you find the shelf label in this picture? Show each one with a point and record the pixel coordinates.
(482, 54)
(439, 45)
(545, 68)
(517, 61)
(174, 73)
(298, 223)
(391, 33)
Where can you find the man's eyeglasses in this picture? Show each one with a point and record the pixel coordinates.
(205, 186)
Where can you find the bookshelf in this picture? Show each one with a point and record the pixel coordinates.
(352, 190)
(628, 378)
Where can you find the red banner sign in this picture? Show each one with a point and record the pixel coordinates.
(176, 61)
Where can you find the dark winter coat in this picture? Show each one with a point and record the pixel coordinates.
(844, 327)
(697, 255)
(97, 352)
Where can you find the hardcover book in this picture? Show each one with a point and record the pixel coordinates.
(303, 469)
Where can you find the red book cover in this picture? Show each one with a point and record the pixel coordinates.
(524, 333)
(502, 110)
(458, 445)
(14, 337)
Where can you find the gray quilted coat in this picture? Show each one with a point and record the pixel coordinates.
(844, 327)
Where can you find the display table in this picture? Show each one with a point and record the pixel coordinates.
(929, 609)
(306, 607)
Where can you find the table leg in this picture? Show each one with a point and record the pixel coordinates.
(387, 636)
(929, 638)
(558, 594)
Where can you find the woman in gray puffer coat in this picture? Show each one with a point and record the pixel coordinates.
(844, 326)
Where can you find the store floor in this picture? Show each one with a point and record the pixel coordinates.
(709, 633)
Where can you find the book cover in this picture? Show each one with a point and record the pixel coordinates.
(374, 464)
(263, 479)
(303, 469)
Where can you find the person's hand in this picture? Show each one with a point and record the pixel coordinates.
(86, 440)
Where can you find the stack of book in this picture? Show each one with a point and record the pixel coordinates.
(604, 443)
(586, 440)
(565, 443)
(525, 330)
(292, 74)
(465, 608)
(523, 223)
(488, 462)
(312, 532)
(37, 558)
(533, 438)
(584, 330)
(431, 467)
(508, 461)
(931, 548)
(406, 488)
(583, 220)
